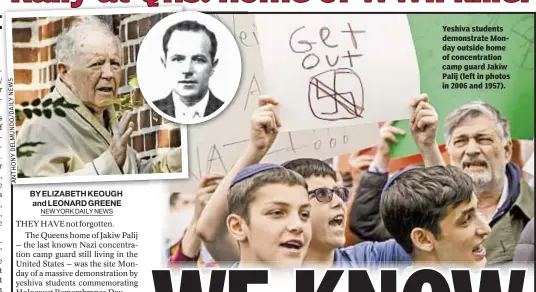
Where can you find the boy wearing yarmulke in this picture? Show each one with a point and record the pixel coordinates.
(269, 216)
(220, 228)
(222, 245)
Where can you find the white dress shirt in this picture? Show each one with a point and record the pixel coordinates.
(195, 111)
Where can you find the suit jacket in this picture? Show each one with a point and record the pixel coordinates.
(167, 106)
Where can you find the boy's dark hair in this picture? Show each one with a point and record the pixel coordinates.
(421, 197)
(194, 26)
(308, 167)
(241, 193)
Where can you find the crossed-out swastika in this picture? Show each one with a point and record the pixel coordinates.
(339, 90)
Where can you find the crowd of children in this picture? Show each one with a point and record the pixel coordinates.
(472, 212)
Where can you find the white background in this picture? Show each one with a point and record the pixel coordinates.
(156, 83)
(142, 202)
(152, 77)
(388, 70)
(144, 214)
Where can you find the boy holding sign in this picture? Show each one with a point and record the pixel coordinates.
(253, 199)
(265, 126)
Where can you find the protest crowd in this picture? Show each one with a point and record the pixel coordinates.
(475, 210)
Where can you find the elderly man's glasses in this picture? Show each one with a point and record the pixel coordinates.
(325, 195)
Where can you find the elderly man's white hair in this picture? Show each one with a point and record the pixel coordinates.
(473, 110)
(81, 27)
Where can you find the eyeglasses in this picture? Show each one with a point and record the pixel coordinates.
(325, 195)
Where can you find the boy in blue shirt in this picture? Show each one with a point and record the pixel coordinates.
(328, 216)
(326, 252)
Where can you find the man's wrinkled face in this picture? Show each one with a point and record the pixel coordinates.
(328, 218)
(463, 233)
(477, 148)
(279, 230)
(95, 75)
(189, 64)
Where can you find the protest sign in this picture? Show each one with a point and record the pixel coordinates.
(219, 157)
(214, 146)
(234, 121)
(335, 70)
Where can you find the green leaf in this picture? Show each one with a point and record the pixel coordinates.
(58, 101)
(123, 98)
(156, 116)
(60, 112)
(47, 113)
(69, 105)
(30, 144)
(27, 112)
(111, 102)
(21, 174)
(133, 81)
(28, 153)
(36, 102)
(37, 112)
(47, 102)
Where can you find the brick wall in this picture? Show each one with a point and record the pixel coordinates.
(34, 55)
(35, 71)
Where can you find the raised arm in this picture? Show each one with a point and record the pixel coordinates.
(191, 242)
(423, 124)
(211, 227)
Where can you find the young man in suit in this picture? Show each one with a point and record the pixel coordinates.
(190, 59)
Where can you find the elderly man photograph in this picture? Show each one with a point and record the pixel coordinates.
(478, 140)
(89, 139)
(189, 60)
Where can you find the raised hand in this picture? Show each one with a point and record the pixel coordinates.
(120, 140)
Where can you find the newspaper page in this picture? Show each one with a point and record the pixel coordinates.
(216, 146)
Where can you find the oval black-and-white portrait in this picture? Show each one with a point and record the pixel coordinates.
(189, 67)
